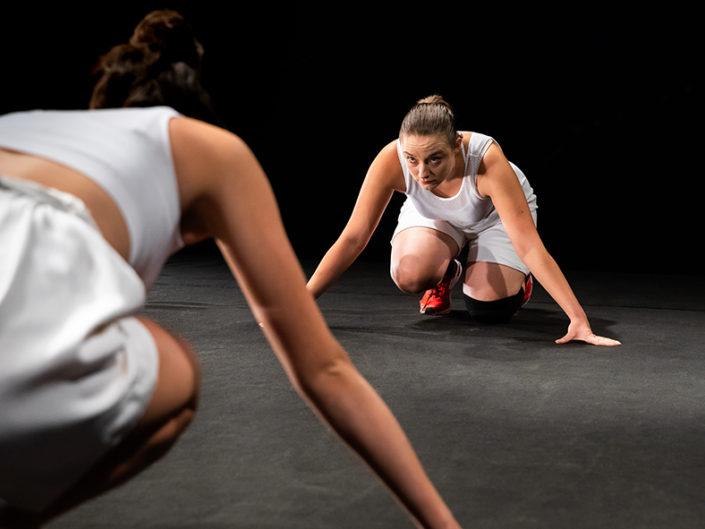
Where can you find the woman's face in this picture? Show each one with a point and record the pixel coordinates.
(430, 159)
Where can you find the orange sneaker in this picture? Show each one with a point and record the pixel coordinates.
(436, 301)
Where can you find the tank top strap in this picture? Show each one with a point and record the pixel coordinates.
(477, 147)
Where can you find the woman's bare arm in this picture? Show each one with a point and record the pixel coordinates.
(383, 178)
(243, 217)
(499, 182)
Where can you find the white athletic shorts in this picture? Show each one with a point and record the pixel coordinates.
(489, 244)
(76, 369)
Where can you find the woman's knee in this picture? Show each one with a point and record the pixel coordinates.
(413, 274)
(420, 257)
(179, 378)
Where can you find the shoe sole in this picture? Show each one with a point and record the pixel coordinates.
(431, 312)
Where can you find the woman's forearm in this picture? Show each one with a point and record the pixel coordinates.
(344, 399)
(335, 262)
(548, 273)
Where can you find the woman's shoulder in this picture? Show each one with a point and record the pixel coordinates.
(392, 149)
(204, 155)
(209, 163)
(388, 158)
(387, 166)
(199, 142)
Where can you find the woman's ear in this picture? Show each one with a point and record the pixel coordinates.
(458, 140)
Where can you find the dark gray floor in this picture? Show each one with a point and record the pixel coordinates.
(515, 431)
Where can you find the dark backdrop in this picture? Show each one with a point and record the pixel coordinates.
(600, 106)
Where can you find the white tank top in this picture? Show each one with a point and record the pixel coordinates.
(467, 210)
(127, 152)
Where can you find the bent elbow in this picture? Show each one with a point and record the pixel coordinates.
(354, 242)
(533, 255)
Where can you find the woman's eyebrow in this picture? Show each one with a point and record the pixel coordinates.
(434, 153)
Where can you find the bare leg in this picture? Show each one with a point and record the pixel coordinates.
(169, 412)
(491, 281)
(420, 257)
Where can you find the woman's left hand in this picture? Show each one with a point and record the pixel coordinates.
(581, 331)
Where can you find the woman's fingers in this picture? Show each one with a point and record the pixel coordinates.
(601, 340)
(590, 338)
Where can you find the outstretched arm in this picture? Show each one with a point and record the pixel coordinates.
(499, 182)
(243, 216)
(383, 176)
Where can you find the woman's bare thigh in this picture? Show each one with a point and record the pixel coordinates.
(491, 281)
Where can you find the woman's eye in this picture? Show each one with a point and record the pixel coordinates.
(410, 159)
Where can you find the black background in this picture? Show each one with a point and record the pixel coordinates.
(599, 104)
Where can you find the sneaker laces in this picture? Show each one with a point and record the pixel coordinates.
(437, 293)
(439, 290)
